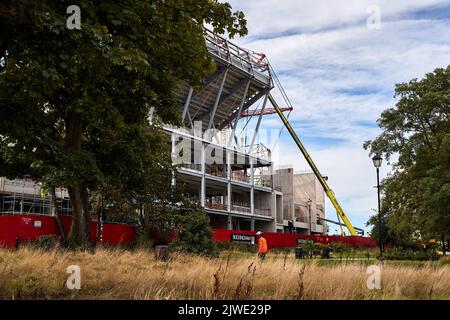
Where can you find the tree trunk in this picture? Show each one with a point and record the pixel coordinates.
(80, 230)
(56, 212)
(78, 192)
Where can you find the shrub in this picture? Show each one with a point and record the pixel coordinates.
(409, 254)
(46, 242)
(142, 240)
(339, 247)
(194, 233)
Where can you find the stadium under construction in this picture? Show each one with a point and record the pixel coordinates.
(221, 158)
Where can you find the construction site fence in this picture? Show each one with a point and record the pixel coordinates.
(21, 228)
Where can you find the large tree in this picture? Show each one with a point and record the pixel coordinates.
(416, 198)
(74, 102)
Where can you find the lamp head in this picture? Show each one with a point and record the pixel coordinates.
(377, 160)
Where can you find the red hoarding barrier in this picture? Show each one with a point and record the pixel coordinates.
(24, 227)
(29, 227)
(285, 240)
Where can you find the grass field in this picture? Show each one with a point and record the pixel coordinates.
(119, 274)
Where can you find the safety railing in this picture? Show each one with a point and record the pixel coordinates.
(263, 212)
(240, 176)
(244, 59)
(263, 181)
(191, 166)
(215, 205)
(241, 208)
(216, 171)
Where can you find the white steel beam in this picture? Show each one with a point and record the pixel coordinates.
(258, 124)
(216, 103)
(238, 116)
(187, 103)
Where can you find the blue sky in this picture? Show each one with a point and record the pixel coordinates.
(340, 75)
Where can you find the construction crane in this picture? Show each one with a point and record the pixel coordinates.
(316, 171)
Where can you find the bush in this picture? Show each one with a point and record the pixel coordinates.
(409, 254)
(142, 240)
(313, 246)
(194, 233)
(46, 242)
(340, 247)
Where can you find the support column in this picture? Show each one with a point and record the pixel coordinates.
(271, 175)
(229, 192)
(252, 196)
(187, 103)
(203, 181)
(173, 154)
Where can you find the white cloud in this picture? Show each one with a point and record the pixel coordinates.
(340, 75)
(269, 17)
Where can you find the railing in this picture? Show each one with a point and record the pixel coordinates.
(215, 171)
(242, 208)
(264, 182)
(216, 206)
(240, 176)
(191, 166)
(263, 212)
(244, 59)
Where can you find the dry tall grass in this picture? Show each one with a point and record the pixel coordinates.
(117, 274)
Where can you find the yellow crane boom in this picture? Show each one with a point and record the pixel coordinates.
(316, 171)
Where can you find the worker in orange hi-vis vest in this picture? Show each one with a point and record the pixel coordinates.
(262, 245)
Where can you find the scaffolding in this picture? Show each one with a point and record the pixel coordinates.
(23, 197)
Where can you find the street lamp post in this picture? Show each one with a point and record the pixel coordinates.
(309, 214)
(377, 160)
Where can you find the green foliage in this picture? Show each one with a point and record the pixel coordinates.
(239, 247)
(75, 103)
(313, 246)
(338, 247)
(142, 240)
(410, 254)
(193, 231)
(416, 195)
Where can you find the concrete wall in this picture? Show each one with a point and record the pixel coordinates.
(264, 226)
(301, 191)
(308, 188)
(283, 181)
